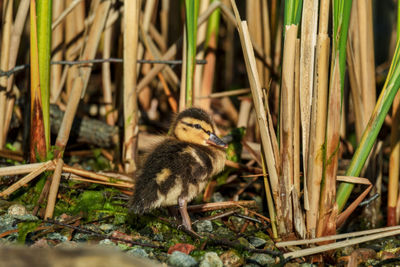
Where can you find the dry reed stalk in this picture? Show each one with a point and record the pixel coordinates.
(317, 132)
(55, 183)
(201, 40)
(164, 21)
(74, 28)
(106, 76)
(57, 41)
(328, 207)
(16, 35)
(82, 79)
(209, 72)
(308, 43)
(92, 175)
(123, 186)
(394, 166)
(312, 184)
(286, 126)
(254, 21)
(341, 244)
(7, 25)
(182, 93)
(61, 17)
(335, 237)
(298, 215)
(172, 50)
(20, 169)
(171, 100)
(27, 178)
(244, 112)
(154, 53)
(131, 116)
(365, 31)
(267, 41)
(227, 93)
(267, 143)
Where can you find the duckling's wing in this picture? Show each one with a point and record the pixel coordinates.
(170, 171)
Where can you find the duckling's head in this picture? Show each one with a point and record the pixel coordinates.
(194, 125)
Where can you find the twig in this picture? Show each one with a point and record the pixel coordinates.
(221, 205)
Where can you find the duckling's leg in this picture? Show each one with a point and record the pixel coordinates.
(182, 201)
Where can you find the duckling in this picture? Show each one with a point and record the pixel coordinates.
(178, 168)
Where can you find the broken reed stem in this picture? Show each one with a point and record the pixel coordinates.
(307, 55)
(26, 179)
(394, 166)
(286, 126)
(55, 183)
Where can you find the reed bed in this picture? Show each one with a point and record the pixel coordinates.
(302, 114)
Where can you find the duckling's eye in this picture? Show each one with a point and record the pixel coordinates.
(197, 126)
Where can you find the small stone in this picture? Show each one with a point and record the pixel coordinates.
(106, 227)
(231, 258)
(217, 197)
(262, 259)
(138, 252)
(243, 241)
(16, 209)
(256, 241)
(204, 226)
(80, 237)
(211, 259)
(107, 243)
(57, 236)
(179, 259)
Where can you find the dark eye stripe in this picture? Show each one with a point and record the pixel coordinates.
(196, 126)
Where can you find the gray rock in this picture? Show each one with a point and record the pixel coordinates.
(138, 252)
(256, 241)
(204, 226)
(107, 243)
(180, 259)
(57, 236)
(211, 259)
(262, 259)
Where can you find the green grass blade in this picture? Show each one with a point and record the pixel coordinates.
(44, 19)
(192, 7)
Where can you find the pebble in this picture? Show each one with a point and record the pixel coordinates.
(211, 259)
(204, 226)
(138, 252)
(17, 209)
(262, 259)
(257, 242)
(217, 197)
(57, 236)
(179, 259)
(231, 258)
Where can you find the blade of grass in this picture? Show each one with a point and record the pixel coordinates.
(37, 132)
(192, 7)
(44, 18)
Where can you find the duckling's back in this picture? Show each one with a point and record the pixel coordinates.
(175, 169)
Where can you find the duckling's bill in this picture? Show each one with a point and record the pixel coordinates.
(216, 141)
